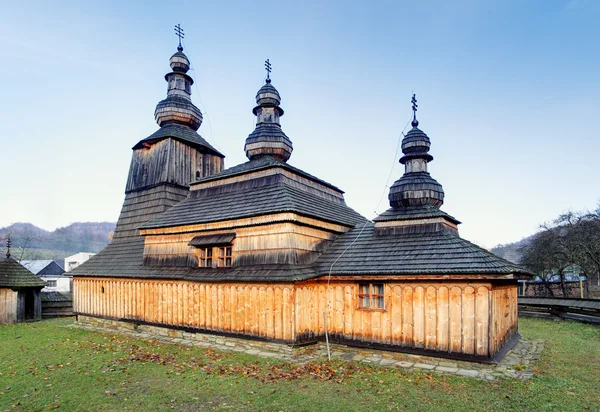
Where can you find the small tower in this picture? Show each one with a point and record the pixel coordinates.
(165, 163)
(416, 197)
(268, 139)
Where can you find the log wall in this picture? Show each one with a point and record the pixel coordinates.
(8, 306)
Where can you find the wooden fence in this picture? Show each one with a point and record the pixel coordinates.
(583, 310)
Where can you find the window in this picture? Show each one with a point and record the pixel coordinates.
(370, 296)
(224, 257)
(205, 260)
(51, 283)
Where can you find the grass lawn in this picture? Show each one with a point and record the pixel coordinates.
(46, 366)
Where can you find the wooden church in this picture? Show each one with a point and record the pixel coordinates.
(264, 250)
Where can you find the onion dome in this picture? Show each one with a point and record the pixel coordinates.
(416, 187)
(178, 108)
(268, 139)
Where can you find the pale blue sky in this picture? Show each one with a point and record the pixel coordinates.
(508, 92)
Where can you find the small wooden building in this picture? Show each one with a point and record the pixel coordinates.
(267, 251)
(19, 293)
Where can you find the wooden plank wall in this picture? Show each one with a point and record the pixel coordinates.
(277, 243)
(451, 317)
(264, 310)
(8, 306)
(170, 161)
(504, 314)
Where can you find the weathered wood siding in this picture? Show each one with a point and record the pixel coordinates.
(277, 243)
(471, 318)
(170, 161)
(449, 317)
(504, 314)
(263, 310)
(8, 306)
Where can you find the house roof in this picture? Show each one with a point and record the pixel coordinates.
(411, 213)
(124, 259)
(179, 132)
(272, 196)
(13, 274)
(441, 252)
(43, 267)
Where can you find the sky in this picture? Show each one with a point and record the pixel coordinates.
(508, 92)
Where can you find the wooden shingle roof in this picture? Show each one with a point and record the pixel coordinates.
(262, 163)
(179, 132)
(14, 275)
(417, 212)
(440, 252)
(254, 201)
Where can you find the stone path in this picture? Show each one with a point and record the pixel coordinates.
(518, 363)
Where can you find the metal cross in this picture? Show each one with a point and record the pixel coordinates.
(268, 69)
(179, 33)
(415, 122)
(8, 244)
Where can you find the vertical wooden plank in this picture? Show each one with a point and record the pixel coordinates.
(443, 330)
(214, 309)
(482, 317)
(407, 316)
(431, 318)
(202, 306)
(255, 311)
(226, 308)
(322, 305)
(269, 320)
(386, 316)
(247, 309)
(396, 314)
(262, 305)
(419, 317)
(313, 307)
(277, 312)
(287, 314)
(468, 330)
(455, 319)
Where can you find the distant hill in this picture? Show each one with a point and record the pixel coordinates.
(31, 242)
(510, 251)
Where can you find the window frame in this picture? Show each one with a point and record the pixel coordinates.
(224, 256)
(374, 299)
(205, 257)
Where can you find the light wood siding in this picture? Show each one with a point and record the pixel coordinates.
(472, 318)
(264, 310)
(8, 306)
(440, 317)
(504, 315)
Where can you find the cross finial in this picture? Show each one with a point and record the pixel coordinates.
(179, 33)
(415, 122)
(8, 244)
(268, 69)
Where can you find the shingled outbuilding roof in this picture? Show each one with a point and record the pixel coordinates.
(14, 275)
(439, 252)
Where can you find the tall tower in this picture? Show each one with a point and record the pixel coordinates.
(165, 163)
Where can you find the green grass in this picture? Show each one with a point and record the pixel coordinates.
(46, 365)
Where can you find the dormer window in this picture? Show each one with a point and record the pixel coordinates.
(214, 251)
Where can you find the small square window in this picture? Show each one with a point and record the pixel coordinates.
(225, 257)
(205, 259)
(51, 283)
(370, 296)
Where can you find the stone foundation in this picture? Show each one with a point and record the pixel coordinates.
(518, 363)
